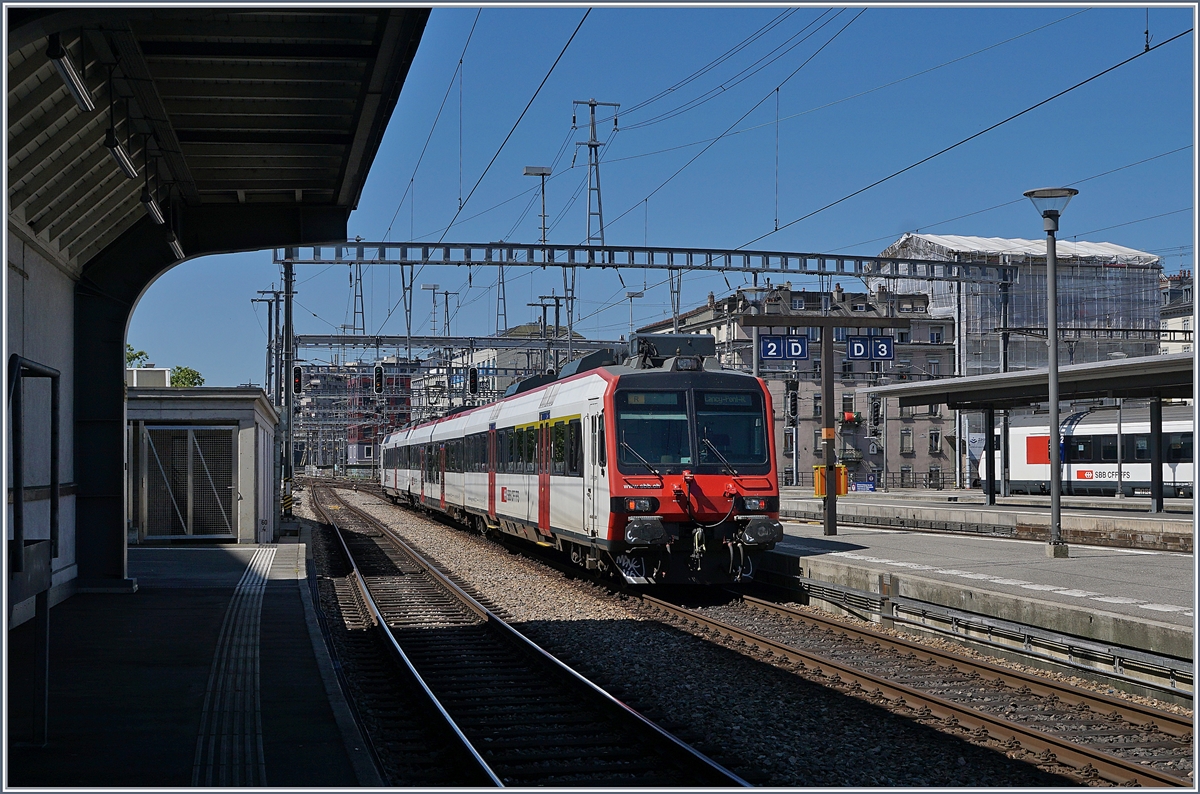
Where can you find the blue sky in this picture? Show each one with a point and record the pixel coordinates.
(846, 118)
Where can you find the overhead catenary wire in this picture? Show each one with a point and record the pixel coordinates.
(1013, 201)
(517, 123)
(737, 79)
(560, 216)
(969, 138)
(433, 127)
(751, 110)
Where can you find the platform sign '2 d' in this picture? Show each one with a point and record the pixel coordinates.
(781, 348)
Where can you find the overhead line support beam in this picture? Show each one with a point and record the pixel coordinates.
(781, 263)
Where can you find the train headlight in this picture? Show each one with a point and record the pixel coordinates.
(638, 504)
(757, 504)
(634, 504)
(754, 503)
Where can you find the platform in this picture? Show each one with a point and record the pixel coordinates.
(213, 673)
(1129, 597)
(1088, 520)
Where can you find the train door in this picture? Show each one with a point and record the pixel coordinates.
(421, 470)
(441, 464)
(491, 471)
(544, 462)
(592, 481)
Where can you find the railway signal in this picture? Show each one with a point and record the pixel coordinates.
(297, 380)
(473, 380)
(377, 384)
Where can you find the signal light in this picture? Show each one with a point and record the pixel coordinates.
(473, 380)
(793, 403)
(377, 385)
(297, 380)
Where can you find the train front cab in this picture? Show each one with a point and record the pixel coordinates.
(694, 493)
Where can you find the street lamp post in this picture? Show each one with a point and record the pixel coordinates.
(1050, 202)
(543, 172)
(631, 295)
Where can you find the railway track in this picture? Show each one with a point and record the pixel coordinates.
(523, 717)
(1097, 736)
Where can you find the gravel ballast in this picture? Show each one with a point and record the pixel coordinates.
(766, 723)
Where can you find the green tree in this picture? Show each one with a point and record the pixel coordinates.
(135, 358)
(185, 377)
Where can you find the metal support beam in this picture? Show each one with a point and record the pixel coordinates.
(827, 432)
(989, 450)
(353, 342)
(1156, 456)
(775, 263)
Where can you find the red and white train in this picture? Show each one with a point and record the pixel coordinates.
(659, 469)
(1090, 450)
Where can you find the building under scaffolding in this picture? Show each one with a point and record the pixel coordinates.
(1108, 303)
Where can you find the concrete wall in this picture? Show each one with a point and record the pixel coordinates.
(41, 297)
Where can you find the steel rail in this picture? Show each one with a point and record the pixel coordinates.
(381, 625)
(1136, 713)
(685, 752)
(1108, 767)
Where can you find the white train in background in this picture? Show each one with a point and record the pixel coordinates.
(1091, 447)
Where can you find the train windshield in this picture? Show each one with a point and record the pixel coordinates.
(652, 429)
(734, 425)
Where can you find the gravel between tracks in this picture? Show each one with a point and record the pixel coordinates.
(763, 722)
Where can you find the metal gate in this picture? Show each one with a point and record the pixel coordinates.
(186, 481)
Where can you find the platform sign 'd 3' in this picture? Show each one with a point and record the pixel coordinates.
(778, 348)
(873, 348)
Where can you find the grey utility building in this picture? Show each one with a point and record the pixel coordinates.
(202, 465)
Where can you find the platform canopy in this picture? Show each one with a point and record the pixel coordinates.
(1167, 376)
(233, 119)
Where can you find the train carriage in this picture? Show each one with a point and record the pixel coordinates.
(657, 469)
(1097, 454)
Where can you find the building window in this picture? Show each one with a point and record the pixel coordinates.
(906, 411)
(903, 337)
(935, 442)
(797, 304)
(839, 334)
(906, 477)
(788, 437)
(935, 477)
(935, 409)
(906, 441)
(817, 441)
(935, 368)
(937, 334)
(848, 403)
(816, 406)
(858, 307)
(906, 307)
(847, 368)
(1187, 324)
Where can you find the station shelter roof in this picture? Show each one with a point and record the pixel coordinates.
(1165, 376)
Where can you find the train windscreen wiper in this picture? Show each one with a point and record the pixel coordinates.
(645, 462)
(729, 466)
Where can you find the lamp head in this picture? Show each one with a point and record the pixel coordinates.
(1051, 199)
